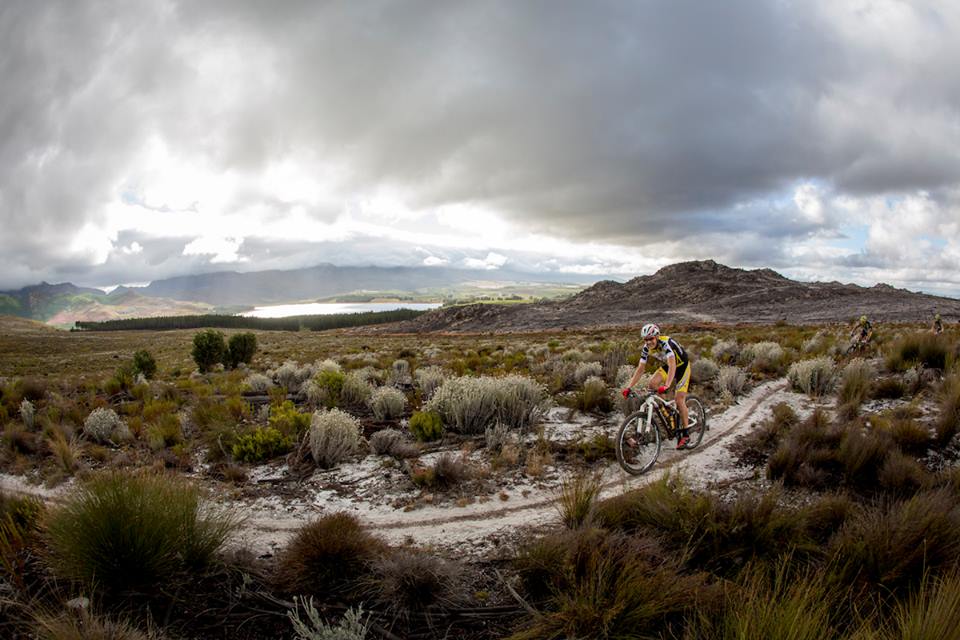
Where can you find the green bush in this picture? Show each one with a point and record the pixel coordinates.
(326, 388)
(426, 426)
(261, 444)
(209, 349)
(144, 363)
(286, 419)
(241, 348)
(134, 531)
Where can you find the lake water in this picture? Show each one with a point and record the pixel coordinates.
(329, 308)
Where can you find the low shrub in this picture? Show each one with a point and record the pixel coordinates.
(704, 370)
(351, 627)
(586, 370)
(291, 376)
(144, 364)
(409, 581)
(133, 531)
(326, 388)
(27, 413)
(592, 584)
(930, 351)
(772, 602)
(888, 388)
(948, 423)
(261, 444)
(577, 500)
(731, 381)
(448, 471)
(766, 357)
(85, 625)
(334, 435)
(890, 548)
(104, 425)
(901, 475)
(910, 436)
(258, 383)
(164, 432)
(387, 403)
(288, 420)
(356, 391)
(752, 449)
(855, 384)
(428, 380)
(426, 426)
(726, 351)
(390, 442)
(594, 396)
(714, 535)
(400, 374)
(932, 612)
(327, 557)
(813, 377)
(468, 405)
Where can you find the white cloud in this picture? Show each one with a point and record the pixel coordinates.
(218, 248)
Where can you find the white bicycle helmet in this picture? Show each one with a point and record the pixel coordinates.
(649, 330)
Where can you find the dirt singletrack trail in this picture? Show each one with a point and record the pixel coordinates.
(476, 524)
(482, 525)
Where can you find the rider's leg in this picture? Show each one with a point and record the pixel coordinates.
(683, 385)
(657, 379)
(682, 407)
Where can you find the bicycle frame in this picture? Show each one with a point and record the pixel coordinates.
(649, 402)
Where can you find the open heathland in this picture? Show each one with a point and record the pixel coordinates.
(353, 484)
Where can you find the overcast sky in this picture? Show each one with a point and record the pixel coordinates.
(145, 139)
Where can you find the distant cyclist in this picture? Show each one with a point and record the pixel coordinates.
(937, 327)
(862, 333)
(674, 357)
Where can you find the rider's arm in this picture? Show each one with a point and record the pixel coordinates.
(672, 370)
(636, 374)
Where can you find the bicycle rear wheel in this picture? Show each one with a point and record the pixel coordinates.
(696, 421)
(638, 444)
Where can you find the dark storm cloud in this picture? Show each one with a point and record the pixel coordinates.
(634, 122)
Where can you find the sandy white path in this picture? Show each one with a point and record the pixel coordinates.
(482, 525)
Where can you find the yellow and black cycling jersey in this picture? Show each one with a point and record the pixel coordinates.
(664, 348)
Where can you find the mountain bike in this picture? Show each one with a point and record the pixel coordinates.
(639, 439)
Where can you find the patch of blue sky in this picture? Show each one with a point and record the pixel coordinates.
(851, 238)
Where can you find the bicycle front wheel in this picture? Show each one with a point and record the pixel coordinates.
(696, 421)
(638, 444)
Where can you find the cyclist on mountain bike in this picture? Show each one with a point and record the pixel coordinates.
(862, 332)
(677, 364)
(937, 327)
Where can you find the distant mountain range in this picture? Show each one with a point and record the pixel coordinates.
(696, 292)
(326, 280)
(64, 303)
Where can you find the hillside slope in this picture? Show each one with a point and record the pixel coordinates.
(699, 291)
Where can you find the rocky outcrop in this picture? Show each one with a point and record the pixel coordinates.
(692, 292)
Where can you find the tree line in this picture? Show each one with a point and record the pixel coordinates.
(214, 321)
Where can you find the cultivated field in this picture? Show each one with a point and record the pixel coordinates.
(426, 486)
